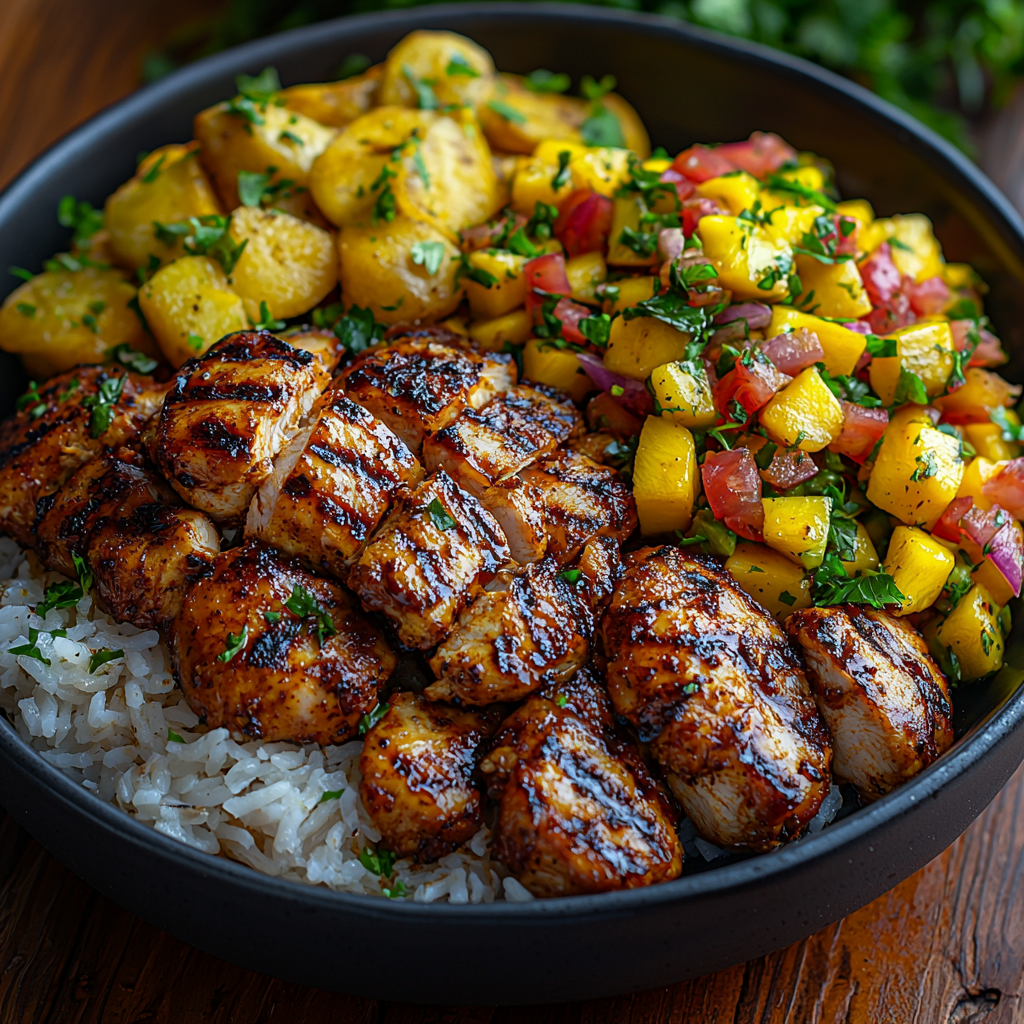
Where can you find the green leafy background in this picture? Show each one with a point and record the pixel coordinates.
(948, 62)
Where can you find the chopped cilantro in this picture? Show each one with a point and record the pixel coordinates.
(154, 172)
(477, 274)
(31, 649)
(235, 644)
(508, 113)
(83, 218)
(304, 604)
(429, 255)
(331, 794)
(563, 175)
(354, 64)
(174, 737)
(542, 80)
(26, 309)
(458, 65)
(85, 577)
(65, 594)
(1011, 431)
(251, 186)
(266, 321)
(102, 657)
(561, 700)
(358, 329)
(20, 272)
(571, 575)
(204, 236)
(596, 329)
(833, 585)
(371, 718)
(127, 356)
(102, 404)
(425, 98)
(910, 388)
(440, 516)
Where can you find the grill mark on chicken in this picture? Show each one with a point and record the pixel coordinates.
(214, 436)
(237, 392)
(711, 680)
(419, 775)
(881, 695)
(572, 816)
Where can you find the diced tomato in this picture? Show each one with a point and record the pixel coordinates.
(694, 209)
(761, 154)
(929, 297)
(948, 525)
(894, 314)
(990, 349)
(571, 313)
(751, 385)
(684, 187)
(733, 488)
(788, 468)
(1007, 488)
(605, 413)
(701, 163)
(547, 274)
(584, 222)
(795, 351)
(881, 278)
(861, 431)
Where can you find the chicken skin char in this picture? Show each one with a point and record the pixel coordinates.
(227, 416)
(514, 429)
(418, 766)
(882, 697)
(710, 679)
(529, 628)
(126, 523)
(43, 443)
(246, 651)
(332, 486)
(575, 499)
(419, 386)
(572, 816)
(430, 558)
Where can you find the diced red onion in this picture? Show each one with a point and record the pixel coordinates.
(633, 395)
(733, 488)
(756, 314)
(789, 468)
(670, 243)
(1007, 554)
(795, 351)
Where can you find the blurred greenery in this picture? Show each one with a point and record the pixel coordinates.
(948, 62)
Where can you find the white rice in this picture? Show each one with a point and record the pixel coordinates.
(265, 804)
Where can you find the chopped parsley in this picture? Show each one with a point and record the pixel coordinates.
(833, 585)
(482, 277)
(174, 737)
(429, 255)
(601, 128)
(235, 644)
(331, 794)
(266, 321)
(20, 272)
(596, 329)
(25, 309)
(102, 404)
(561, 700)
(304, 604)
(380, 861)
(425, 98)
(787, 598)
(154, 172)
(927, 467)
(1010, 431)
(31, 649)
(129, 357)
(371, 718)
(65, 594)
(508, 113)
(910, 388)
(204, 236)
(571, 575)
(440, 516)
(777, 183)
(102, 657)
(542, 80)
(358, 330)
(83, 218)
(458, 65)
(563, 175)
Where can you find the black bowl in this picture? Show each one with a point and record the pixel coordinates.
(689, 86)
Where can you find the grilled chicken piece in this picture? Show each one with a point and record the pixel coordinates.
(573, 815)
(521, 518)
(61, 426)
(229, 414)
(418, 764)
(126, 523)
(264, 647)
(419, 386)
(332, 486)
(882, 697)
(529, 628)
(712, 682)
(433, 555)
(320, 342)
(484, 446)
(576, 499)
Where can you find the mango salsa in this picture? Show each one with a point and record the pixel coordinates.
(556, 367)
(770, 578)
(842, 347)
(865, 557)
(832, 289)
(507, 290)
(926, 350)
(919, 566)
(665, 477)
(637, 347)
(971, 632)
(749, 262)
(736, 192)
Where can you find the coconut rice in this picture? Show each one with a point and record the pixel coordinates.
(124, 732)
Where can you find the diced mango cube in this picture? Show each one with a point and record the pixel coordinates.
(842, 347)
(790, 223)
(798, 528)
(987, 440)
(860, 209)
(736, 192)
(837, 288)
(632, 290)
(916, 473)
(682, 394)
(750, 263)
(637, 347)
(981, 391)
(585, 273)
(515, 327)
(559, 368)
(925, 349)
(804, 414)
(643, 252)
(865, 558)
(971, 632)
(919, 566)
(532, 184)
(988, 575)
(976, 472)
(506, 292)
(665, 477)
(770, 578)
(600, 169)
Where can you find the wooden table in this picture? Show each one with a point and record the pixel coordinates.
(944, 947)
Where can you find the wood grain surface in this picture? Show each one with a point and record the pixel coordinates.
(944, 947)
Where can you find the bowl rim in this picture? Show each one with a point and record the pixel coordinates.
(983, 738)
